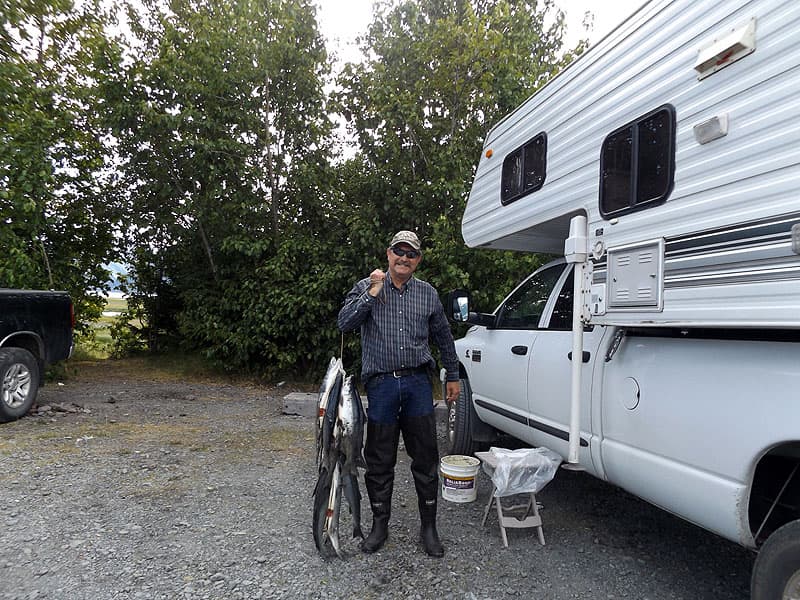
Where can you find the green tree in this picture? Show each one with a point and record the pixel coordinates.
(56, 209)
(439, 74)
(223, 137)
(243, 238)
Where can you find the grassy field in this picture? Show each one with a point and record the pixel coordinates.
(100, 347)
(89, 360)
(116, 304)
(170, 366)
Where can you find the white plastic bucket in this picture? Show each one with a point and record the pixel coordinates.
(458, 477)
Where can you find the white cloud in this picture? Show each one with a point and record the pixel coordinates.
(607, 16)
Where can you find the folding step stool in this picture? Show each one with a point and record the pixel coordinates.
(529, 518)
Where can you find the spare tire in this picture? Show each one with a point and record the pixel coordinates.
(19, 383)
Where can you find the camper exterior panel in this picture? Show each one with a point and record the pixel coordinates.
(746, 275)
(751, 174)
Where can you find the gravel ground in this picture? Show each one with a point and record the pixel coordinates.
(165, 489)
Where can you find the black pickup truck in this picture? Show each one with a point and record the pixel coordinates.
(35, 331)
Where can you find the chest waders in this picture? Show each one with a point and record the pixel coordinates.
(380, 453)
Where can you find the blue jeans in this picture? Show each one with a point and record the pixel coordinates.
(389, 397)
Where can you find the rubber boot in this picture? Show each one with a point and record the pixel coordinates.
(428, 534)
(380, 454)
(380, 529)
(419, 435)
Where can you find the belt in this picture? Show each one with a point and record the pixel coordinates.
(405, 372)
(400, 373)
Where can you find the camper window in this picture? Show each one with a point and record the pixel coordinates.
(524, 169)
(637, 164)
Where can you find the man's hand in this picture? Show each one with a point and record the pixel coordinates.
(376, 279)
(453, 390)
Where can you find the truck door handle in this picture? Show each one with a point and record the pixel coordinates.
(521, 350)
(586, 356)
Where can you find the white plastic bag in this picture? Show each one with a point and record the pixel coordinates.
(526, 470)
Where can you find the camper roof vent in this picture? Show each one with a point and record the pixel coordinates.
(726, 49)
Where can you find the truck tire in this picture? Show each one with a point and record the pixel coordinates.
(19, 378)
(460, 419)
(776, 573)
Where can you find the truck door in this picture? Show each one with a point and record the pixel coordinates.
(550, 378)
(500, 369)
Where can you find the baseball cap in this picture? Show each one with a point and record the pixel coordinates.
(406, 237)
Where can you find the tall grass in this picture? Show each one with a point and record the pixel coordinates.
(97, 346)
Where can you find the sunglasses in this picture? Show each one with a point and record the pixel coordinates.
(412, 254)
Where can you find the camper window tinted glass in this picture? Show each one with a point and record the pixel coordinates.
(512, 175)
(617, 171)
(654, 158)
(638, 164)
(524, 169)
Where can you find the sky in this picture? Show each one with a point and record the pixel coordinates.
(341, 21)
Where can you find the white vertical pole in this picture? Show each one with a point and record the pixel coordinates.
(576, 253)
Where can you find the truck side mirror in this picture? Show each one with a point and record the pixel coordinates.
(458, 307)
(458, 302)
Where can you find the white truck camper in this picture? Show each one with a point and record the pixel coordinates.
(664, 165)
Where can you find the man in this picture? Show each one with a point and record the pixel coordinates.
(397, 314)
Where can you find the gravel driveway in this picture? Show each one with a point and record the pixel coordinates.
(122, 486)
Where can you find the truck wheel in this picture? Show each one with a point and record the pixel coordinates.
(19, 374)
(460, 418)
(776, 573)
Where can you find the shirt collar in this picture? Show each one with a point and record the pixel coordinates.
(405, 286)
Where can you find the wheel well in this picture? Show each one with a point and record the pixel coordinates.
(481, 432)
(775, 494)
(25, 341)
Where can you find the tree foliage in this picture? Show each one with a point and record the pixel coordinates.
(224, 142)
(203, 144)
(438, 75)
(57, 215)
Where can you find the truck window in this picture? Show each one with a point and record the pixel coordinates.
(562, 311)
(524, 308)
(637, 164)
(524, 169)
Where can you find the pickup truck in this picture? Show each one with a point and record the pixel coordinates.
(700, 422)
(35, 331)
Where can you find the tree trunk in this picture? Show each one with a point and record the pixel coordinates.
(273, 196)
(207, 247)
(47, 265)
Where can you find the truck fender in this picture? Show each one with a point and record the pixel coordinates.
(30, 340)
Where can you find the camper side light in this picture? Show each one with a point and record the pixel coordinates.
(489, 153)
(712, 129)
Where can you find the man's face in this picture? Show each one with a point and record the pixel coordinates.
(402, 267)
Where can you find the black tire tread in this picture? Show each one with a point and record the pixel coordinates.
(777, 561)
(463, 442)
(9, 356)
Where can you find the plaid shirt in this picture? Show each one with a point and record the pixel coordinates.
(396, 325)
